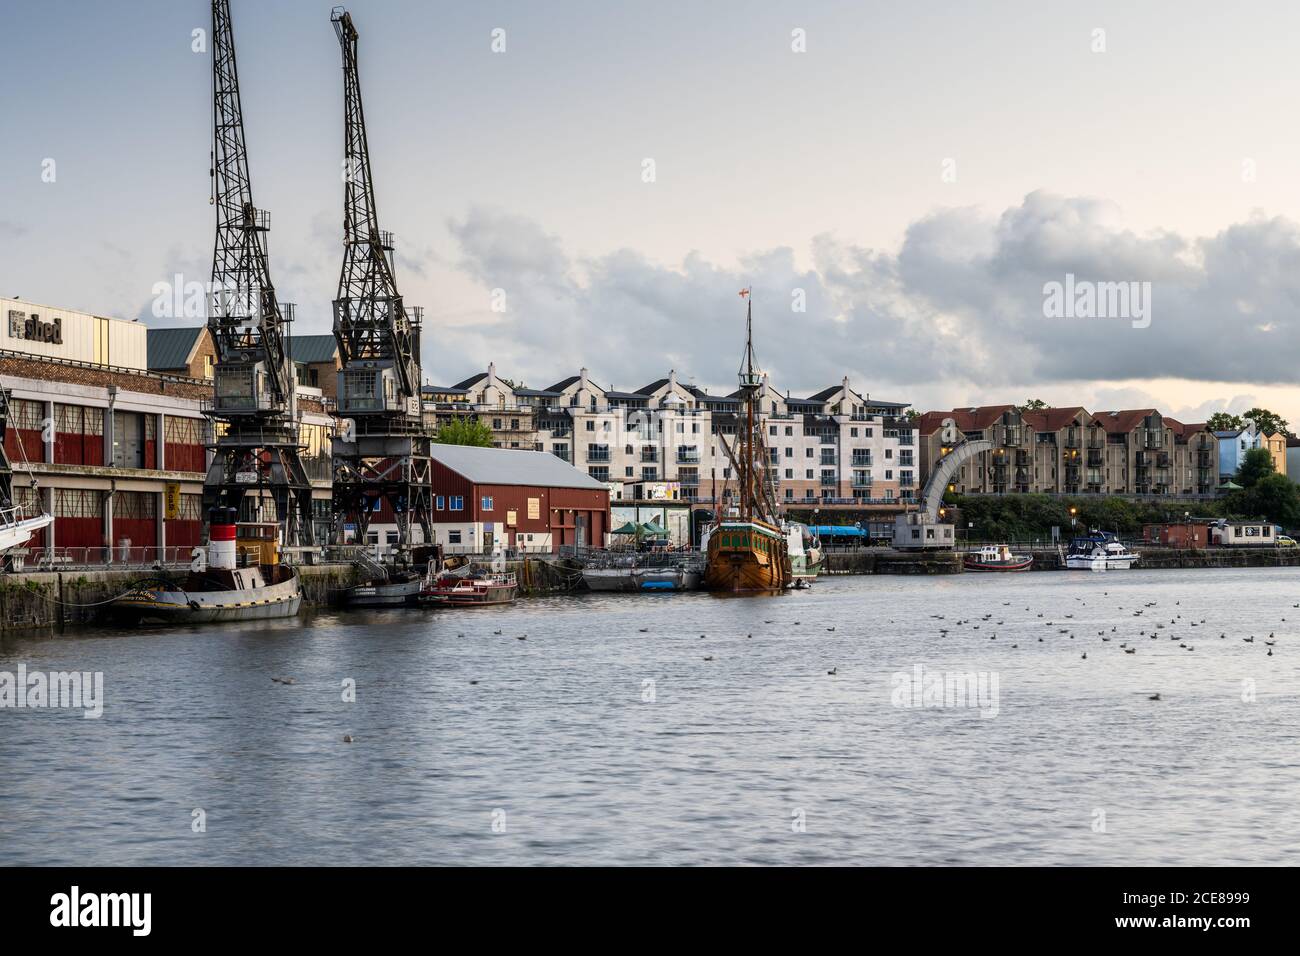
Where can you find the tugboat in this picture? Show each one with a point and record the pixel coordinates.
(475, 589)
(1099, 551)
(996, 557)
(241, 579)
(748, 550)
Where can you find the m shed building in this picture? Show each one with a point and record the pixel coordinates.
(522, 499)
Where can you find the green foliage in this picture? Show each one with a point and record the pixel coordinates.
(1257, 464)
(1033, 405)
(1223, 422)
(1266, 422)
(1273, 496)
(1030, 517)
(464, 431)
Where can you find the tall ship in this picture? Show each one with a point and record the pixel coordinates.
(239, 579)
(748, 548)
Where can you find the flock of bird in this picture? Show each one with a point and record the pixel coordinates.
(1178, 629)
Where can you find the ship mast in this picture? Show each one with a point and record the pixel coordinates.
(750, 382)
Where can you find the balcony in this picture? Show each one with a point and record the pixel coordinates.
(829, 481)
(829, 461)
(649, 456)
(861, 482)
(597, 453)
(688, 456)
(862, 461)
(1094, 458)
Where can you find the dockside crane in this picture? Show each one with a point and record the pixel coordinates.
(383, 452)
(253, 411)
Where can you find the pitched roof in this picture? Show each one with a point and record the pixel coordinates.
(967, 419)
(471, 381)
(508, 466)
(313, 348)
(537, 392)
(1124, 420)
(654, 386)
(171, 348)
(825, 393)
(563, 384)
(1051, 419)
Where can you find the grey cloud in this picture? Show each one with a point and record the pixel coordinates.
(961, 301)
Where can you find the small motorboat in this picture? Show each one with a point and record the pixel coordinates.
(996, 557)
(1099, 551)
(478, 588)
(397, 589)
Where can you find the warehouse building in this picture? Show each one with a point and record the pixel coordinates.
(114, 451)
(525, 500)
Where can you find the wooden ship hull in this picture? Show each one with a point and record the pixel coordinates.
(747, 556)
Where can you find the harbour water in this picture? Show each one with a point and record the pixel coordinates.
(471, 746)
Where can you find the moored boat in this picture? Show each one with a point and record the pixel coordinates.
(747, 548)
(996, 557)
(399, 589)
(645, 571)
(240, 579)
(476, 589)
(1099, 551)
(805, 551)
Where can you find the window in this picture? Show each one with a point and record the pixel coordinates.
(771, 429)
(789, 453)
(496, 424)
(789, 430)
(486, 502)
(591, 426)
(808, 474)
(457, 503)
(807, 452)
(453, 537)
(789, 473)
(628, 471)
(440, 503)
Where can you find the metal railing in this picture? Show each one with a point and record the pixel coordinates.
(106, 558)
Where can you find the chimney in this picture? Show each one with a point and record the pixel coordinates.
(492, 373)
(582, 376)
(846, 386)
(672, 379)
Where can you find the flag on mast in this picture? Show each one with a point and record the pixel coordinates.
(744, 293)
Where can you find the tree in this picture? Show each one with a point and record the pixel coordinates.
(464, 431)
(1276, 497)
(1257, 465)
(1033, 405)
(1266, 422)
(1223, 422)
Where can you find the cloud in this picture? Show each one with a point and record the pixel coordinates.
(961, 301)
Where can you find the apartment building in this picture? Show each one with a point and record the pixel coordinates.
(1071, 451)
(835, 448)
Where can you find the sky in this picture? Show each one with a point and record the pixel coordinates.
(898, 183)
